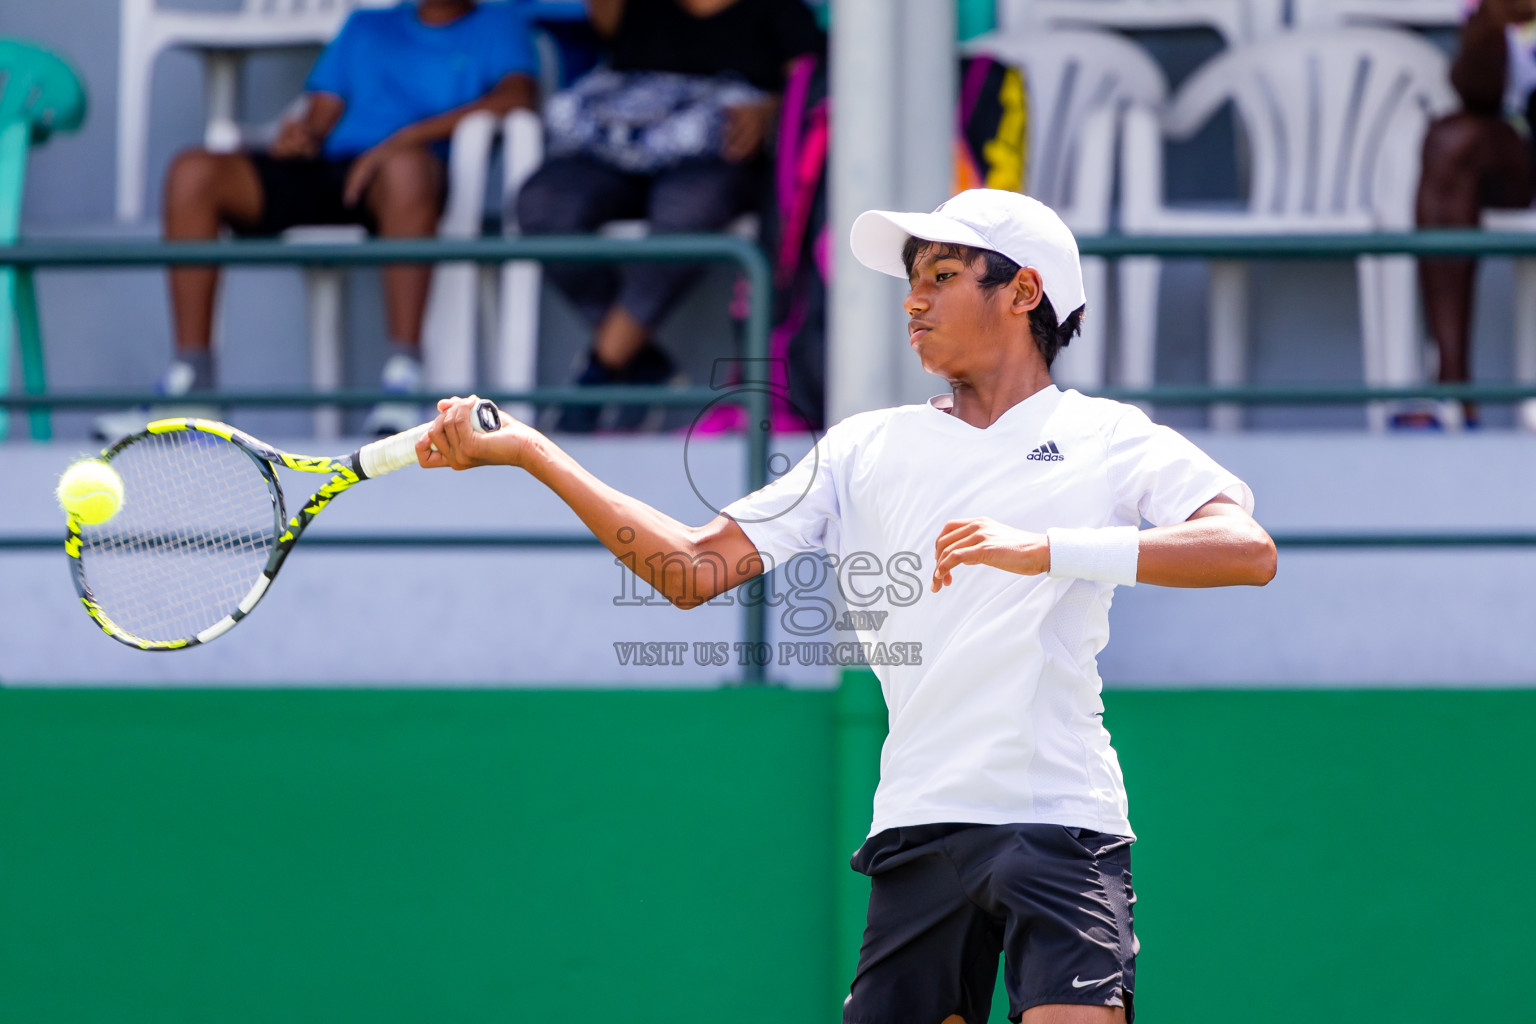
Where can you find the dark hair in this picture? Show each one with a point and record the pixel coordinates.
(1051, 335)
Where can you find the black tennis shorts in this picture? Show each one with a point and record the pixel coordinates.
(947, 899)
(295, 192)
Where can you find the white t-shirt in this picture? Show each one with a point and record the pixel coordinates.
(1001, 721)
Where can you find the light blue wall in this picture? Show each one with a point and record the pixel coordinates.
(1353, 618)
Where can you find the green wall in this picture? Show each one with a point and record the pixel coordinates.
(231, 856)
(222, 857)
(1332, 856)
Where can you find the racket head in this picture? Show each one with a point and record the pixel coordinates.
(188, 554)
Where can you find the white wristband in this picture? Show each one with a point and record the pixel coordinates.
(1107, 554)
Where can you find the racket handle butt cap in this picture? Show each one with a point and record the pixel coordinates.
(487, 417)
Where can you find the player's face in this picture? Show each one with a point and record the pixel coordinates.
(954, 323)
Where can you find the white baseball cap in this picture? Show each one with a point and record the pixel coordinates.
(1023, 229)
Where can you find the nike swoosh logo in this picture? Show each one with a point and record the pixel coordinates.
(1090, 984)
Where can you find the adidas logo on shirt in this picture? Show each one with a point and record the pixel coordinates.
(1047, 452)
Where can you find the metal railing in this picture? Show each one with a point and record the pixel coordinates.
(512, 541)
(544, 248)
(553, 248)
(1344, 245)
(1178, 395)
(32, 256)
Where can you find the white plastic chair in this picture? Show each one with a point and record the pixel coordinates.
(450, 327)
(1415, 13)
(461, 305)
(1079, 83)
(1334, 121)
(1447, 13)
(1237, 21)
(480, 300)
(1323, 14)
(221, 39)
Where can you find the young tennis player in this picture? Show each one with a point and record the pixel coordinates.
(1000, 820)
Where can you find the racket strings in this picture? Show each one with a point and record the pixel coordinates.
(196, 529)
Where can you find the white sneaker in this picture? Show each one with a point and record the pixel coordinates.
(402, 375)
(177, 380)
(1431, 414)
(1527, 415)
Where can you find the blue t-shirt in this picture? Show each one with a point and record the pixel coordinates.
(391, 70)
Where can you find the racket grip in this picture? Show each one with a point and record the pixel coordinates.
(397, 452)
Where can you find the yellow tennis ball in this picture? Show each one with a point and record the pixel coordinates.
(91, 491)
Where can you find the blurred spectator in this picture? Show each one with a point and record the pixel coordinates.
(1476, 158)
(369, 148)
(673, 131)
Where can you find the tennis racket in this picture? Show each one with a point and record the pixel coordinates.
(203, 529)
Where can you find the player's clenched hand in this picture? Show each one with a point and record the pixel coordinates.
(453, 442)
(987, 542)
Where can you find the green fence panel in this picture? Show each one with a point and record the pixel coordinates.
(1331, 856)
(305, 855)
(223, 857)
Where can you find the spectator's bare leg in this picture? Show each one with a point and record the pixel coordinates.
(1471, 162)
(618, 338)
(203, 192)
(406, 200)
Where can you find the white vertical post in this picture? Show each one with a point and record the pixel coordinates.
(1140, 280)
(928, 88)
(1374, 337)
(1229, 337)
(221, 80)
(1525, 336)
(517, 313)
(865, 312)
(326, 298)
(136, 66)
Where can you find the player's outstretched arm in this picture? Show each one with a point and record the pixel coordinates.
(1220, 545)
(687, 565)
